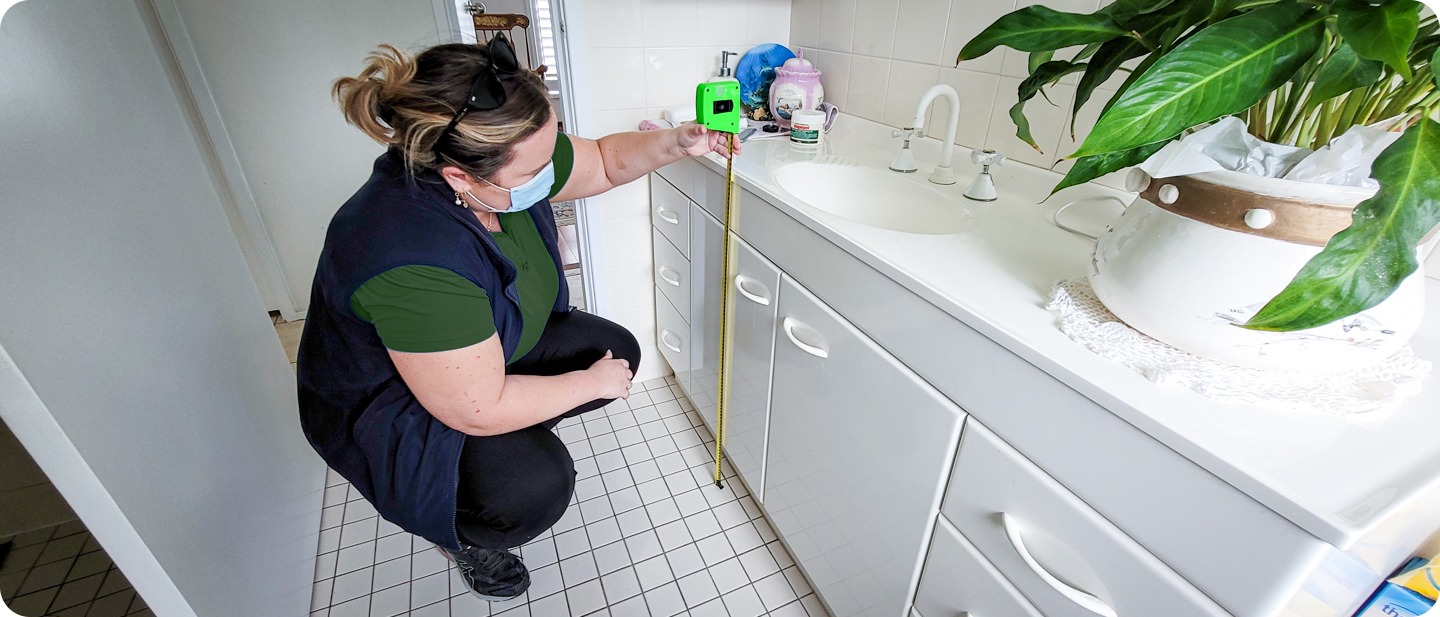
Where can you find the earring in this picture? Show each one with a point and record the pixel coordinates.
(460, 202)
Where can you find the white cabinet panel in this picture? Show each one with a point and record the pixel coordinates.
(672, 273)
(673, 336)
(706, 251)
(670, 213)
(858, 450)
(754, 292)
(958, 580)
(1065, 557)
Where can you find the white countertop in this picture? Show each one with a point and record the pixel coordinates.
(1334, 478)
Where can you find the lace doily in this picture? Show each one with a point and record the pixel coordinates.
(1363, 393)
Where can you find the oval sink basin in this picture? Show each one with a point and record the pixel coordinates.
(874, 197)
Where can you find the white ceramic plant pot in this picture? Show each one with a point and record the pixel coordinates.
(1194, 256)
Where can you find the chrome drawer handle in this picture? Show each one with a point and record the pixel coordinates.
(1085, 600)
(665, 337)
(741, 280)
(815, 350)
(662, 211)
(673, 279)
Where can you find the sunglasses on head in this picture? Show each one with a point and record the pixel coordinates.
(487, 92)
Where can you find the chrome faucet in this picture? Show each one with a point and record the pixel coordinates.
(905, 162)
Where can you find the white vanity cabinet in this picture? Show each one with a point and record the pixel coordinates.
(859, 447)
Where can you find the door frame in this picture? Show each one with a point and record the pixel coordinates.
(224, 162)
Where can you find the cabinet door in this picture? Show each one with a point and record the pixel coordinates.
(706, 252)
(754, 292)
(858, 455)
(959, 581)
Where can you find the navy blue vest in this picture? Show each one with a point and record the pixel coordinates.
(355, 409)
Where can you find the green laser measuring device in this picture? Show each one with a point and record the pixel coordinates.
(717, 106)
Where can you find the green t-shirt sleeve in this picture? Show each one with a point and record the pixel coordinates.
(424, 309)
(564, 160)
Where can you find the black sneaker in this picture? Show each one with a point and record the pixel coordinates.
(491, 575)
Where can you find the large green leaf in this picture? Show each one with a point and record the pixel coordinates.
(1045, 74)
(1088, 168)
(1222, 70)
(1362, 265)
(1435, 67)
(1223, 8)
(1158, 28)
(1342, 72)
(1123, 10)
(1037, 28)
(1102, 65)
(1382, 32)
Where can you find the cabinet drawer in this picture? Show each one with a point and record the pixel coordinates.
(1065, 557)
(755, 294)
(958, 580)
(688, 175)
(670, 213)
(672, 274)
(672, 336)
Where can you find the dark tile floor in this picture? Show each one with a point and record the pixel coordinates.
(61, 571)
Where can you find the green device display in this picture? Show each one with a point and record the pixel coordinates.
(717, 106)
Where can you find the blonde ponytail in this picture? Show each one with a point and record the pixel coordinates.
(405, 102)
(364, 99)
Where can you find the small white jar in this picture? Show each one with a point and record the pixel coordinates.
(807, 126)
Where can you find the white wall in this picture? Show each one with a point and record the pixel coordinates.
(137, 364)
(879, 56)
(269, 66)
(639, 57)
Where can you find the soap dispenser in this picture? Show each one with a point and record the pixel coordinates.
(797, 86)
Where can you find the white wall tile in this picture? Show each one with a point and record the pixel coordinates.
(805, 22)
(869, 77)
(875, 27)
(612, 23)
(908, 82)
(670, 23)
(920, 31)
(977, 103)
(837, 24)
(717, 21)
(624, 244)
(768, 21)
(670, 76)
(967, 19)
(617, 78)
(1046, 121)
(640, 321)
(624, 201)
(834, 74)
(632, 286)
(620, 120)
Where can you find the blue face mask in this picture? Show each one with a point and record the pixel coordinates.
(532, 192)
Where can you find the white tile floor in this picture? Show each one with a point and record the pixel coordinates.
(647, 533)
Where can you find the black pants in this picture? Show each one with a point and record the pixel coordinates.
(517, 485)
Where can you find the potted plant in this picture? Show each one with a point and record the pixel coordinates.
(1298, 73)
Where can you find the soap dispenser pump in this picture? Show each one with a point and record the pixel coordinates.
(726, 73)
